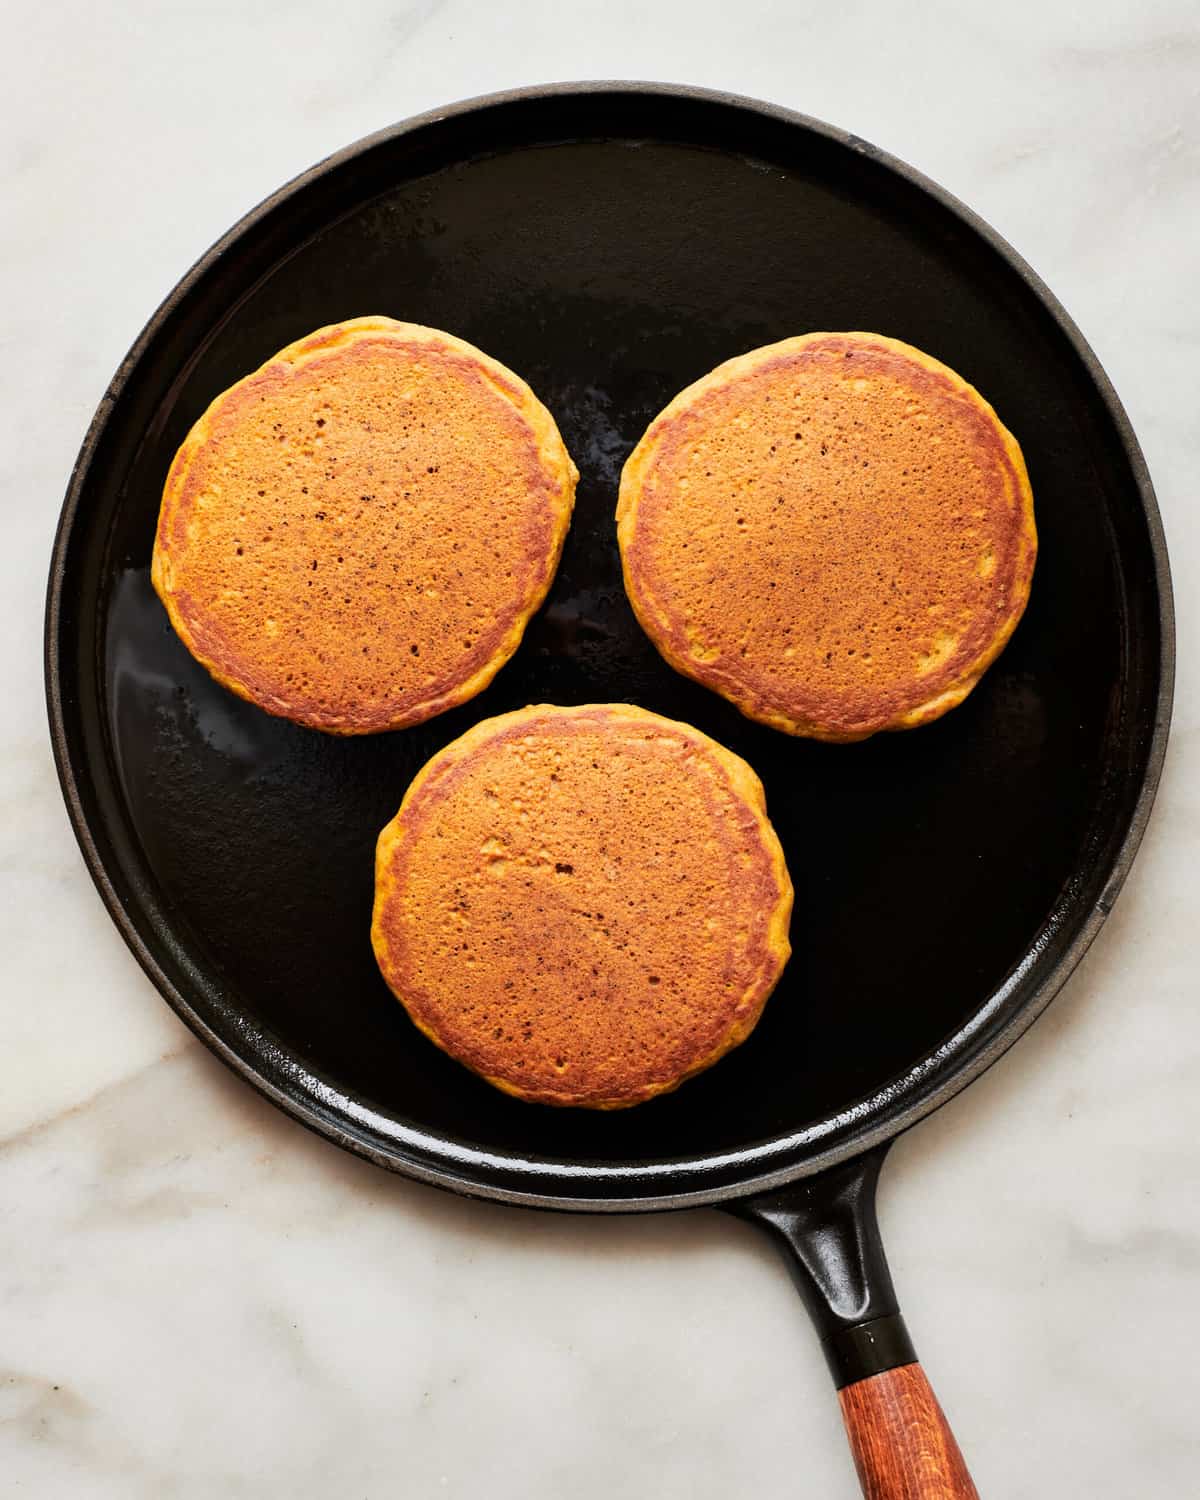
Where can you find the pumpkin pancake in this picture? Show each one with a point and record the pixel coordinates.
(835, 532)
(584, 905)
(356, 535)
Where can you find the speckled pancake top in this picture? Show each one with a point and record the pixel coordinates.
(584, 905)
(836, 532)
(356, 535)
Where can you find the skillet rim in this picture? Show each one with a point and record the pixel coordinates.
(895, 1107)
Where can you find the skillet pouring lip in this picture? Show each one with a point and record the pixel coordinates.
(612, 1186)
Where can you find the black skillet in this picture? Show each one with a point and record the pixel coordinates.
(612, 243)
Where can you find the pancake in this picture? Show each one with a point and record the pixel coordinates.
(584, 905)
(835, 532)
(356, 535)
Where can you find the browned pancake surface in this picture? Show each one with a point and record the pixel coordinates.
(586, 906)
(356, 535)
(836, 532)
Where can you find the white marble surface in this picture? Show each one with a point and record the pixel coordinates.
(199, 1299)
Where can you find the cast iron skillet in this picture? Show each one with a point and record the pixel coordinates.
(612, 242)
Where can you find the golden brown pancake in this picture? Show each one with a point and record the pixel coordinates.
(356, 535)
(584, 905)
(835, 532)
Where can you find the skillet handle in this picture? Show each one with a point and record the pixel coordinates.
(903, 1448)
(902, 1445)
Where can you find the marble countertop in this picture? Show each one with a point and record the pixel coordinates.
(197, 1298)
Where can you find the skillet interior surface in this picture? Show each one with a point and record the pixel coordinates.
(611, 246)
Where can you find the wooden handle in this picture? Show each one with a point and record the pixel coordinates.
(902, 1446)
